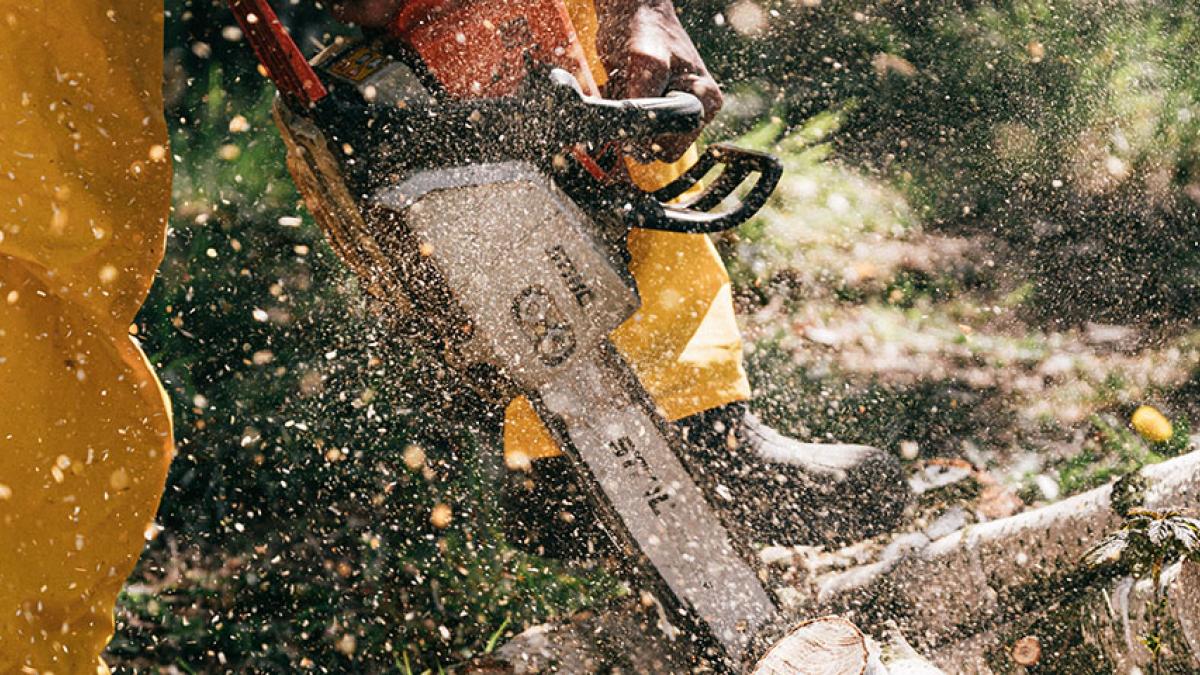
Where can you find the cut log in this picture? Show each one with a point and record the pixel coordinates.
(832, 645)
(959, 595)
(827, 646)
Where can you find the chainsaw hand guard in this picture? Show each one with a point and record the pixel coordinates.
(695, 214)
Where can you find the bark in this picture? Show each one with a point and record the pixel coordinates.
(1098, 630)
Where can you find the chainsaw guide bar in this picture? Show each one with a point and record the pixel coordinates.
(480, 221)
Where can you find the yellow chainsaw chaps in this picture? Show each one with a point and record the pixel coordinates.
(86, 430)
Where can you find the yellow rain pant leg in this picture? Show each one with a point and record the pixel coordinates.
(684, 342)
(85, 430)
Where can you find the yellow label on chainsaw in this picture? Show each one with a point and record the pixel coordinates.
(359, 63)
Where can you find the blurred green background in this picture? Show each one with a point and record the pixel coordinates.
(1001, 195)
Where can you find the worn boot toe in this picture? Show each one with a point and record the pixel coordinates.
(790, 492)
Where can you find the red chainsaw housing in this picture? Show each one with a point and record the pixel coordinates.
(478, 48)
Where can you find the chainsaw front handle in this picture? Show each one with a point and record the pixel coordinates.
(636, 118)
(681, 113)
(695, 215)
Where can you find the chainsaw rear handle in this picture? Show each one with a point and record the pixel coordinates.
(694, 215)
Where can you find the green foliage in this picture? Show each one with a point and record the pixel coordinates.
(1113, 451)
(1146, 544)
(1148, 538)
(1068, 128)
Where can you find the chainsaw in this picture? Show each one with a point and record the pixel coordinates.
(463, 165)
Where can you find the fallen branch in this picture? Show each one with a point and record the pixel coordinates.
(1010, 590)
(960, 594)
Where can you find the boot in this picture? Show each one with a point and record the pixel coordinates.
(788, 492)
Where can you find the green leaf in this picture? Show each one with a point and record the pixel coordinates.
(491, 643)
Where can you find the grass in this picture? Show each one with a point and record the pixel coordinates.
(490, 645)
(1115, 450)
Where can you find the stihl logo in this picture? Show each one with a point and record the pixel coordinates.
(547, 328)
(624, 449)
(566, 269)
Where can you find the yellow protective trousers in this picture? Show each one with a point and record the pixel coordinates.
(684, 342)
(85, 432)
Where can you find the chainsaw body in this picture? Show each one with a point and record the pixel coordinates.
(482, 253)
(491, 227)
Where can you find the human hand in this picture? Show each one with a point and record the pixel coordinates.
(648, 53)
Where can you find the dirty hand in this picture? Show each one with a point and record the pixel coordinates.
(366, 13)
(648, 53)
